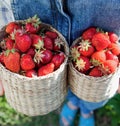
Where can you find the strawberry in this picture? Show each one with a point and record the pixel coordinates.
(100, 41)
(98, 57)
(88, 34)
(32, 24)
(113, 37)
(27, 62)
(23, 42)
(82, 64)
(85, 48)
(2, 57)
(46, 69)
(43, 56)
(115, 48)
(31, 51)
(9, 43)
(37, 41)
(51, 34)
(48, 43)
(109, 66)
(57, 45)
(95, 72)
(12, 60)
(16, 33)
(38, 65)
(11, 27)
(31, 73)
(111, 56)
(15, 47)
(58, 59)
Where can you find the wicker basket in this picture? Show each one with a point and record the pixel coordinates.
(92, 89)
(36, 96)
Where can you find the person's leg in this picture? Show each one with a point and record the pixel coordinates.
(69, 110)
(87, 116)
(87, 112)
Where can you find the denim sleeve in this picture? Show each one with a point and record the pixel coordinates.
(6, 14)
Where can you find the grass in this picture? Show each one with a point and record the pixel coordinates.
(109, 115)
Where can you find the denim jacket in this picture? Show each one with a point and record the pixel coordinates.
(71, 17)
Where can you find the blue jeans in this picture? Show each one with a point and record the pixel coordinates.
(85, 106)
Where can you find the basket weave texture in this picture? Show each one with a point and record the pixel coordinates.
(92, 89)
(39, 95)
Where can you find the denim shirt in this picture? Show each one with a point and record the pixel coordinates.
(71, 17)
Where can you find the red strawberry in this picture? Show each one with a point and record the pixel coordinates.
(31, 73)
(38, 65)
(46, 69)
(12, 60)
(115, 48)
(48, 43)
(88, 34)
(85, 48)
(33, 24)
(11, 27)
(17, 32)
(31, 51)
(15, 47)
(37, 41)
(9, 43)
(98, 58)
(2, 57)
(23, 42)
(111, 56)
(43, 56)
(27, 62)
(32, 28)
(82, 64)
(58, 59)
(51, 34)
(58, 43)
(109, 66)
(113, 37)
(95, 72)
(100, 41)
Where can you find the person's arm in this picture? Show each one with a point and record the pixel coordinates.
(6, 14)
(118, 91)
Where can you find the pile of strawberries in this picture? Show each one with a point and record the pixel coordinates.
(96, 53)
(30, 50)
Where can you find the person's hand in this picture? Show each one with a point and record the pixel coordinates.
(1, 89)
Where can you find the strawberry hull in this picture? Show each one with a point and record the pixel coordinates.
(38, 95)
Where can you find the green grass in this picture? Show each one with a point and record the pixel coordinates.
(109, 115)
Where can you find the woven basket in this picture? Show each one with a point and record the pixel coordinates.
(36, 96)
(92, 89)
